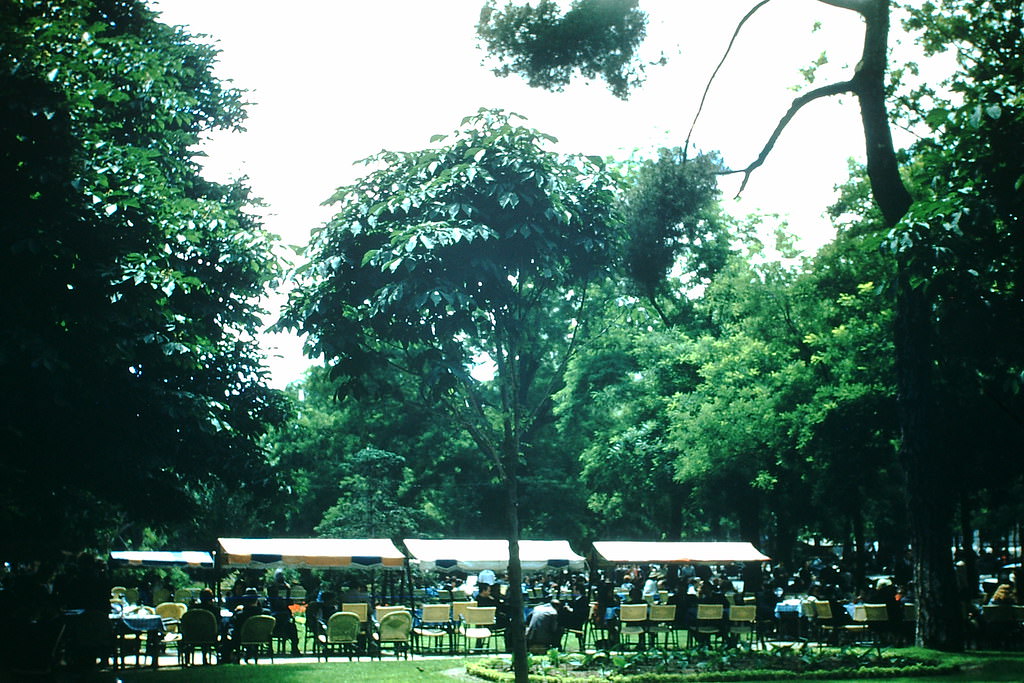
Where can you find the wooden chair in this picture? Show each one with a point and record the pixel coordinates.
(459, 610)
(171, 613)
(741, 622)
(581, 634)
(478, 624)
(395, 630)
(198, 630)
(360, 609)
(342, 634)
(874, 618)
(663, 621)
(255, 638)
(830, 628)
(709, 624)
(435, 624)
(382, 612)
(633, 620)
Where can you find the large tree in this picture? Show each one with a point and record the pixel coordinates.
(482, 248)
(132, 386)
(940, 624)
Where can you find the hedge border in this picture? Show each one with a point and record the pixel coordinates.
(495, 676)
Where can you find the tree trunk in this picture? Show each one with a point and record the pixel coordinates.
(515, 634)
(859, 543)
(929, 490)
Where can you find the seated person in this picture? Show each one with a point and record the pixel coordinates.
(576, 612)
(544, 632)
(285, 626)
(319, 612)
(485, 598)
(206, 603)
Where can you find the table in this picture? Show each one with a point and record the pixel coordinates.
(130, 627)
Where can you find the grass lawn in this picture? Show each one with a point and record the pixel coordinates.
(977, 666)
(420, 670)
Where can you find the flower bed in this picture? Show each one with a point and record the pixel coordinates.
(703, 664)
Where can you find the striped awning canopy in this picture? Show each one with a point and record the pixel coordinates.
(162, 558)
(681, 552)
(334, 553)
(474, 555)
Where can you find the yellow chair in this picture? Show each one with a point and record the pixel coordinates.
(831, 629)
(171, 613)
(741, 622)
(709, 623)
(478, 624)
(255, 638)
(342, 634)
(360, 609)
(663, 621)
(459, 610)
(382, 612)
(633, 620)
(395, 630)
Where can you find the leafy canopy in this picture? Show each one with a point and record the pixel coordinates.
(127, 361)
(595, 38)
(441, 256)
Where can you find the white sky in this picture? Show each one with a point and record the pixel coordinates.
(333, 81)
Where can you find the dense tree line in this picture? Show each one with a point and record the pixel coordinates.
(132, 388)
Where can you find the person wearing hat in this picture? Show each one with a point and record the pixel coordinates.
(250, 607)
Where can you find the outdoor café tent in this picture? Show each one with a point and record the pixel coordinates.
(161, 558)
(651, 552)
(333, 553)
(476, 555)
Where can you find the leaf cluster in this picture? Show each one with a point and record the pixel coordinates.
(597, 38)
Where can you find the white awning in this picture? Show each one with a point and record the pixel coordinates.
(310, 552)
(474, 555)
(653, 552)
(162, 558)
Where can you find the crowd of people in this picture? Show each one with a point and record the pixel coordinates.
(42, 604)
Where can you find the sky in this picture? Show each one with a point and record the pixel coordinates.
(334, 81)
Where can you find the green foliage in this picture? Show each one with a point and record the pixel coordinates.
(132, 384)
(442, 254)
(594, 37)
(370, 504)
(678, 238)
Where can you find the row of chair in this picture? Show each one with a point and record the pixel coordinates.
(346, 633)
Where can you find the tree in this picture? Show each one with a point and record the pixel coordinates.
(484, 247)
(451, 493)
(593, 38)
(131, 382)
(940, 624)
(370, 502)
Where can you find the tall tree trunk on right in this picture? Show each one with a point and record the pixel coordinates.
(940, 624)
(929, 490)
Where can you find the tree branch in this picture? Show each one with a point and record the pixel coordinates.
(859, 6)
(563, 363)
(798, 103)
(707, 88)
